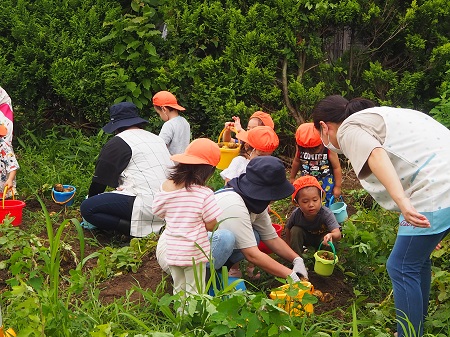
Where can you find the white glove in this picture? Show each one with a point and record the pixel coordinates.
(299, 267)
(294, 276)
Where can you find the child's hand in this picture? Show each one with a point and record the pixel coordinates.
(327, 238)
(337, 192)
(9, 183)
(229, 125)
(237, 124)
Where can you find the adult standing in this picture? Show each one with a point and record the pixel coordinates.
(135, 162)
(401, 158)
(245, 220)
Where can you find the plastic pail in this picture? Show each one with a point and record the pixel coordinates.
(339, 209)
(64, 198)
(239, 286)
(14, 209)
(322, 266)
(226, 154)
(262, 247)
(293, 305)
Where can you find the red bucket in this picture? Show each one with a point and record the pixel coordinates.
(14, 209)
(262, 247)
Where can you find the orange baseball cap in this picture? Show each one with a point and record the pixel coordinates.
(305, 181)
(264, 117)
(165, 98)
(261, 138)
(199, 151)
(307, 135)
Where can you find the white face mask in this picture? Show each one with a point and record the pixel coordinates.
(330, 146)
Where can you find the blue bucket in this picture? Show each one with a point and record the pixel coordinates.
(239, 286)
(339, 209)
(64, 198)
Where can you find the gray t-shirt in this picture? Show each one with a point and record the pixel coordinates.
(176, 133)
(323, 223)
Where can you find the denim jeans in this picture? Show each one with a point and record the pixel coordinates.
(409, 267)
(222, 248)
(105, 210)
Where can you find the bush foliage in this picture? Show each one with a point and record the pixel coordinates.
(67, 61)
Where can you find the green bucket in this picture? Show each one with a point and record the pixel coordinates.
(323, 266)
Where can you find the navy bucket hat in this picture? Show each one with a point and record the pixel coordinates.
(122, 115)
(264, 179)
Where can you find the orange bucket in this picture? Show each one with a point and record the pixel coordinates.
(13, 208)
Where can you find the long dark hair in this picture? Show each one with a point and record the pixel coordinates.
(336, 109)
(191, 174)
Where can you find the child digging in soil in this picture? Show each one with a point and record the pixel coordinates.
(310, 223)
(190, 210)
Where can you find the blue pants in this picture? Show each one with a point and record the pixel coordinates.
(222, 248)
(409, 267)
(109, 211)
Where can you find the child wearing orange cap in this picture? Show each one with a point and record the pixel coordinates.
(259, 118)
(310, 223)
(190, 210)
(176, 131)
(314, 159)
(258, 141)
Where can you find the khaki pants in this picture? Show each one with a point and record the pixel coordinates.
(184, 279)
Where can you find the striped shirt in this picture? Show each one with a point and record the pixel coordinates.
(186, 212)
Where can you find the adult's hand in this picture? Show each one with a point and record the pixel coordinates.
(294, 276)
(413, 217)
(299, 267)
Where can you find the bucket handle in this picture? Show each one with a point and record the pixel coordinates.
(332, 199)
(332, 248)
(277, 215)
(4, 193)
(62, 202)
(221, 134)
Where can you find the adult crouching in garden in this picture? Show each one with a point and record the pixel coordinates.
(245, 221)
(135, 162)
(401, 158)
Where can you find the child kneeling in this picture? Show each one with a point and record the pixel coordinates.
(310, 223)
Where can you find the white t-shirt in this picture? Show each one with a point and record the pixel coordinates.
(236, 168)
(418, 147)
(176, 133)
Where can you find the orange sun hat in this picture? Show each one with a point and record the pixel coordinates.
(264, 117)
(307, 135)
(165, 98)
(261, 138)
(199, 151)
(306, 181)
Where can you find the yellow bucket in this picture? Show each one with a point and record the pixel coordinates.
(228, 151)
(293, 305)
